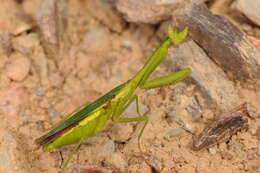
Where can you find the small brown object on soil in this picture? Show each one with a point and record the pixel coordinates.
(223, 127)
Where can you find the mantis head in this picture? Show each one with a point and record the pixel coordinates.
(177, 37)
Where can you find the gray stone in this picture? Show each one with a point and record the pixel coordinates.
(194, 109)
(106, 14)
(154, 161)
(212, 151)
(250, 8)
(3, 159)
(51, 20)
(109, 147)
(5, 42)
(146, 11)
(117, 160)
(175, 132)
(224, 43)
(54, 114)
(96, 41)
(40, 92)
(211, 81)
(131, 111)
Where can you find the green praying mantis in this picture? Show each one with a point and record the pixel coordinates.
(90, 118)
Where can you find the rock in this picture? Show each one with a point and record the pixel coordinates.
(40, 93)
(195, 109)
(146, 11)
(12, 153)
(131, 111)
(212, 82)
(96, 41)
(121, 132)
(54, 115)
(109, 147)
(175, 132)
(51, 20)
(117, 160)
(7, 153)
(18, 67)
(13, 17)
(56, 79)
(138, 165)
(234, 53)
(29, 7)
(11, 103)
(226, 155)
(26, 43)
(212, 151)
(76, 168)
(5, 41)
(250, 8)
(151, 91)
(82, 62)
(154, 162)
(106, 14)
(255, 41)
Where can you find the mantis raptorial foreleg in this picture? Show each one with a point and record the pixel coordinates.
(157, 82)
(170, 79)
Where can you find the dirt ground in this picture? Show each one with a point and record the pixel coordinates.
(36, 90)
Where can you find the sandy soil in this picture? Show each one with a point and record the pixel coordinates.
(36, 91)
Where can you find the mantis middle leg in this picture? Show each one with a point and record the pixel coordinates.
(143, 117)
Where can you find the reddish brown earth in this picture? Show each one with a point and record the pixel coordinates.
(36, 89)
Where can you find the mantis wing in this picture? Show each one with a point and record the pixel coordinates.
(78, 116)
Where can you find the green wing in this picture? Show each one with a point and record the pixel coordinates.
(76, 117)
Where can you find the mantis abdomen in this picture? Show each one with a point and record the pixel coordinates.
(86, 128)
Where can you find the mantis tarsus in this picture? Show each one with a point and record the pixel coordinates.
(91, 118)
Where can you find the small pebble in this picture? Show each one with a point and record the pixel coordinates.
(154, 161)
(40, 92)
(96, 40)
(9, 138)
(3, 159)
(172, 114)
(56, 79)
(5, 42)
(175, 132)
(140, 167)
(109, 147)
(152, 91)
(76, 168)
(226, 155)
(18, 67)
(132, 109)
(194, 109)
(251, 155)
(54, 114)
(212, 151)
(117, 160)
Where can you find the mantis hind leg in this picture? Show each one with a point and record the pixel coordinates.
(69, 157)
(140, 118)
